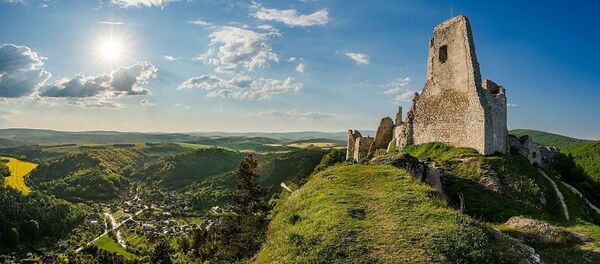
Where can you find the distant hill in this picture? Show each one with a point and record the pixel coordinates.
(237, 141)
(94, 175)
(50, 137)
(547, 139)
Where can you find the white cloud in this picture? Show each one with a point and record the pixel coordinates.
(146, 103)
(92, 103)
(405, 96)
(271, 31)
(142, 3)
(359, 58)
(200, 22)
(21, 71)
(233, 47)
(110, 22)
(170, 58)
(509, 105)
(301, 67)
(184, 106)
(290, 17)
(121, 82)
(295, 114)
(396, 87)
(242, 87)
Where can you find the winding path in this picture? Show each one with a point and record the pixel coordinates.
(574, 190)
(558, 193)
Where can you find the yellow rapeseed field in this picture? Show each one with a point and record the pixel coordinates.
(18, 170)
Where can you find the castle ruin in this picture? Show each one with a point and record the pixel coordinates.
(455, 107)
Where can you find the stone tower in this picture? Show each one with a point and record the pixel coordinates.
(455, 107)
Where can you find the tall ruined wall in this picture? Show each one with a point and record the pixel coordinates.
(496, 129)
(453, 107)
(352, 136)
(384, 134)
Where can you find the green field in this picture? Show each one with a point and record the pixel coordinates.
(107, 243)
(18, 170)
(312, 145)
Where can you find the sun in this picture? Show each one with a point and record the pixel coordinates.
(110, 50)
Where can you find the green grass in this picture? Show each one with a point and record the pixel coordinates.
(523, 187)
(494, 188)
(107, 243)
(547, 139)
(587, 155)
(373, 214)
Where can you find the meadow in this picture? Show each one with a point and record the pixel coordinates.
(18, 170)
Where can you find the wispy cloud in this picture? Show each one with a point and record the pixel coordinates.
(111, 22)
(200, 22)
(170, 58)
(146, 103)
(290, 17)
(301, 67)
(359, 58)
(242, 87)
(295, 114)
(142, 3)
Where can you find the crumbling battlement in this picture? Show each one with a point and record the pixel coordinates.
(455, 107)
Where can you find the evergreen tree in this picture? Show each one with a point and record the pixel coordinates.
(12, 238)
(249, 198)
(162, 253)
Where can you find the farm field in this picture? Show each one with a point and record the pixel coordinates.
(323, 145)
(18, 170)
(107, 243)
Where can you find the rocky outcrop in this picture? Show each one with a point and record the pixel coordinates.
(536, 231)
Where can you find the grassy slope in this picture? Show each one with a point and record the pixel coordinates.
(524, 186)
(547, 139)
(107, 243)
(368, 214)
(587, 155)
(18, 170)
(468, 173)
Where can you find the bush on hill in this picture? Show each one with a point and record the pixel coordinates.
(4, 170)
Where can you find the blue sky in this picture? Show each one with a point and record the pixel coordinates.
(216, 65)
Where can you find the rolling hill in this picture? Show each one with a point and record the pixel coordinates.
(93, 175)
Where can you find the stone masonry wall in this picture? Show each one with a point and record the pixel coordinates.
(454, 108)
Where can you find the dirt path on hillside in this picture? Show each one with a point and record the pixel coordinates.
(578, 193)
(558, 193)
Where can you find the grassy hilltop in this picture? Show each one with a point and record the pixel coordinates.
(376, 213)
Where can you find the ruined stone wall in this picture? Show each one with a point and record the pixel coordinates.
(362, 147)
(352, 136)
(384, 134)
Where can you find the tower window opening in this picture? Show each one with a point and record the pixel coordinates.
(443, 53)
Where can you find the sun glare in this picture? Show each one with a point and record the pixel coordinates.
(110, 50)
